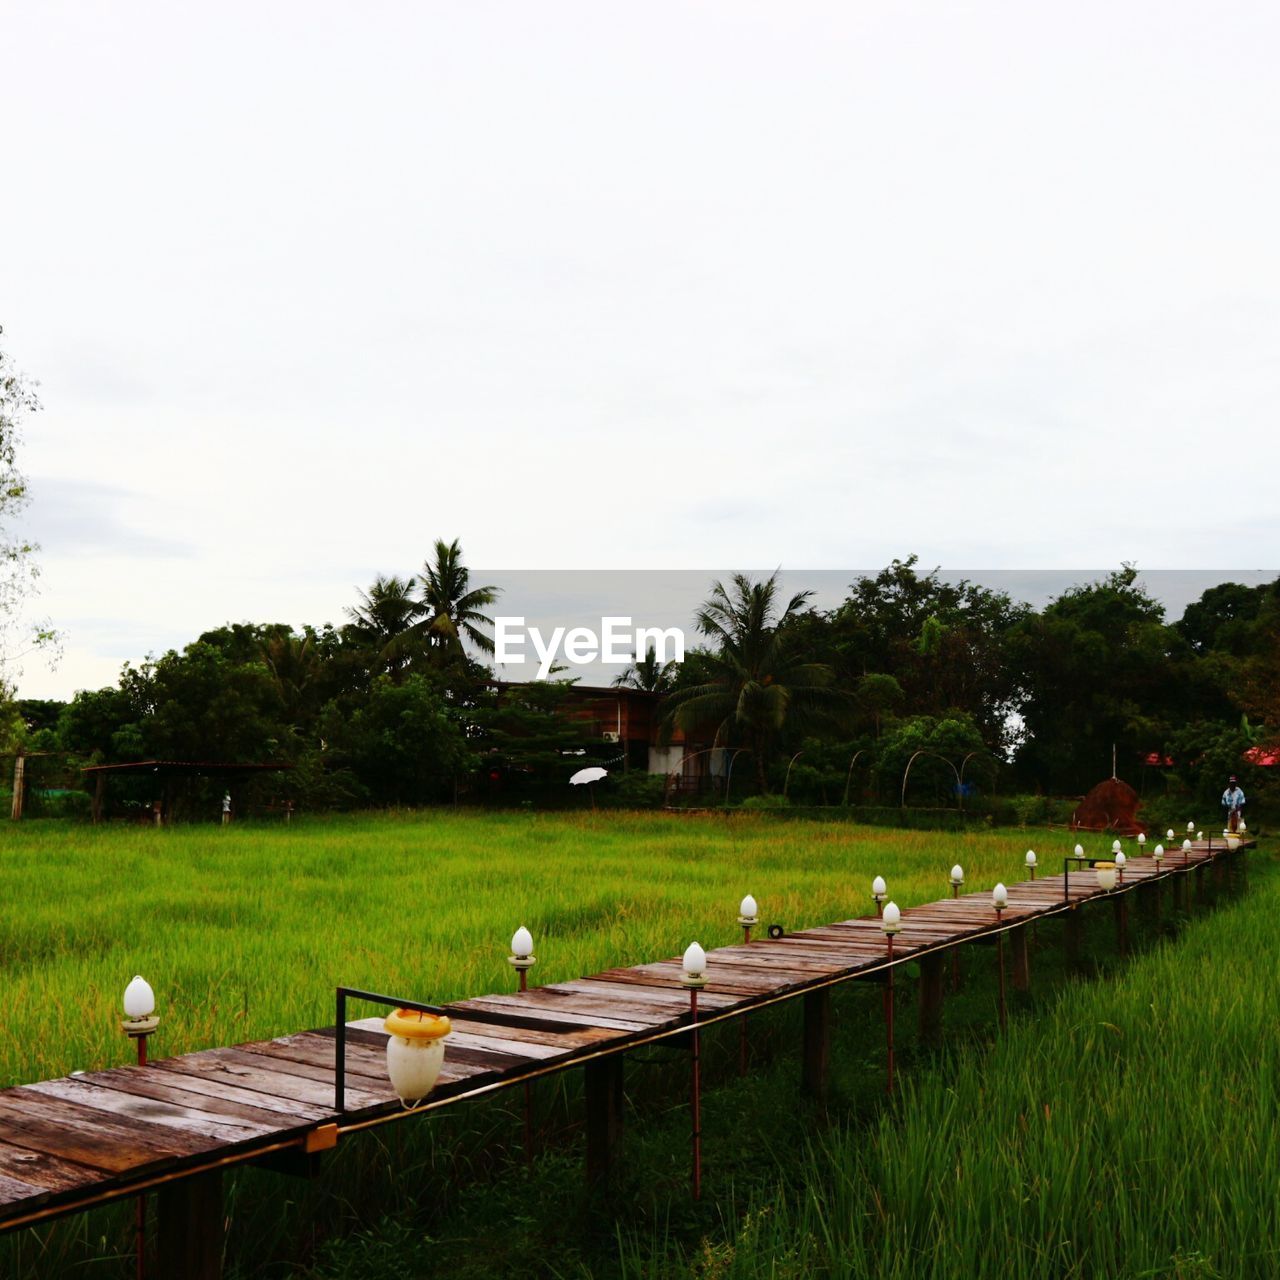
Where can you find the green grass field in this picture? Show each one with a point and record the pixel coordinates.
(1122, 1130)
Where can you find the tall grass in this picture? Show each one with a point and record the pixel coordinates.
(1133, 1132)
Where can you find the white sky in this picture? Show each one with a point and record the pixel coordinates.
(649, 286)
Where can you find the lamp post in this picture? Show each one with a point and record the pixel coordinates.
(1186, 852)
(957, 883)
(522, 960)
(1142, 843)
(891, 923)
(139, 1022)
(694, 978)
(748, 915)
(1120, 861)
(1157, 856)
(879, 892)
(999, 901)
(1031, 862)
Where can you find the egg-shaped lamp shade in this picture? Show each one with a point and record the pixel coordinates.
(878, 888)
(139, 999)
(1168, 835)
(522, 943)
(1115, 846)
(1199, 835)
(957, 874)
(1191, 826)
(1142, 837)
(1121, 859)
(1000, 897)
(748, 909)
(1106, 873)
(415, 1051)
(695, 961)
(1031, 858)
(1079, 851)
(1158, 852)
(891, 921)
(1186, 846)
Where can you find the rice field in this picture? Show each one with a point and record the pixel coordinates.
(245, 931)
(1125, 1126)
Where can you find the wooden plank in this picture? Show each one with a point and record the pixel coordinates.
(14, 1192)
(489, 1007)
(146, 1083)
(193, 1078)
(44, 1171)
(84, 1136)
(116, 1104)
(228, 1069)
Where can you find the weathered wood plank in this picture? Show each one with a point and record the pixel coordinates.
(115, 1104)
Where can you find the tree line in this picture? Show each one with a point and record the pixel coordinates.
(397, 705)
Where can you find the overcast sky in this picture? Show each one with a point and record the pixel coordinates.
(648, 286)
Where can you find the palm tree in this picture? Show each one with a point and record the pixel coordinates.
(758, 681)
(647, 674)
(384, 621)
(451, 607)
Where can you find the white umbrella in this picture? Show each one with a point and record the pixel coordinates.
(594, 774)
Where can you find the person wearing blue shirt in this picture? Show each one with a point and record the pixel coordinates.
(1233, 803)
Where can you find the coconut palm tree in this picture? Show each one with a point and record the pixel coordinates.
(759, 681)
(647, 674)
(451, 606)
(384, 621)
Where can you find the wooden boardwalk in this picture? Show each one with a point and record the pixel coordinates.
(82, 1140)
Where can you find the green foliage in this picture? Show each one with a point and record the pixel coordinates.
(401, 746)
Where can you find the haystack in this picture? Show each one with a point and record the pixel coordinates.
(1111, 806)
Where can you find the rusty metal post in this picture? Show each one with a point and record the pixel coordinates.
(697, 1093)
(1000, 970)
(888, 1013)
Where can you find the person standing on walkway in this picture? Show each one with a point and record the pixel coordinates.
(1233, 803)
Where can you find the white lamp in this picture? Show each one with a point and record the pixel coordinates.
(694, 965)
(999, 898)
(139, 1014)
(1191, 826)
(1106, 873)
(957, 875)
(415, 1050)
(1031, 862)
(748, 912)
(139, 999)
(878, 888)
(1142, 837)
(891, 921)
(1079, 851)
(1169, 836)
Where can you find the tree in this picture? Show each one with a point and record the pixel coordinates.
(759, 679)
(451, 605)
(384, 623)
(648, 674)
(18, 570)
